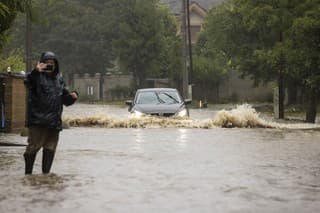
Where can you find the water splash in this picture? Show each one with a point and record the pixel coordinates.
(110, 122)
(243, 116)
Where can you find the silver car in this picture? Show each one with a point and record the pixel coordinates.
(159, 102)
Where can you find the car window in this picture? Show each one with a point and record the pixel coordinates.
(163, 97)
(147, 98)
(169, 97)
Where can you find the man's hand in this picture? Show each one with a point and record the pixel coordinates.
(74, 95)
(41, 67)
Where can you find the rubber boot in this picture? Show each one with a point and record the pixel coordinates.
(47, 159)
(29, 161)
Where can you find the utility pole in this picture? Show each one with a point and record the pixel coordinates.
(185, 78)
(190, 67)
(28, 38)
(28, 52)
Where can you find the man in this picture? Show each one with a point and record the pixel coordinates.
(47, 95)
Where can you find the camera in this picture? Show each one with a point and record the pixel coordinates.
(49, 68)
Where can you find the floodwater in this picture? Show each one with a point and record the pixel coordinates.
(166, 168)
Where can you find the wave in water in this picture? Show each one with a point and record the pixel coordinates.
(243, 116)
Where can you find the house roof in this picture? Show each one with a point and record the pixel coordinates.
(198, 9)
(175, 5)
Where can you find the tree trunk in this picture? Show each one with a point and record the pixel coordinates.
(292, 92)
(311, 106)
(141, 76)
(218, 91)
(138, 77)
(281, 95)
(281, 81)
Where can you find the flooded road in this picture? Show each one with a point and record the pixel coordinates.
(167, 170)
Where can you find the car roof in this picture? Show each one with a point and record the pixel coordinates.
(156, 89)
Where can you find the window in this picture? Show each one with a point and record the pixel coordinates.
(194, 32)
(90, 90)
(161, 97)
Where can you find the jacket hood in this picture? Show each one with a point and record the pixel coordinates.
(50, 56)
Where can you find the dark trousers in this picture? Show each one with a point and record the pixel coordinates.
(41, 137)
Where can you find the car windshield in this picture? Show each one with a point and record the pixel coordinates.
(158, 97)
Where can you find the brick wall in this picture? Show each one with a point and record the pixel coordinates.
(14, 103)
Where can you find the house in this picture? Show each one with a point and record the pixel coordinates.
(176, 6)
(198, 10)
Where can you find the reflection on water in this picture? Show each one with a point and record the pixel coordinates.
(182, 138)
(138, 141)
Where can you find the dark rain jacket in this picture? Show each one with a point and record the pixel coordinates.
(46, 97)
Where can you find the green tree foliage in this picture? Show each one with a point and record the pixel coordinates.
(209, 66)
(15, 60)
(8, 12)
(144, 38)
(137, 36)
(257, 38)
(270, 21)
(71, 30)
(252, 34)
(304, 57)
(168, 64)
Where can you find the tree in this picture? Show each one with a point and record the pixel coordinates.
(269, 40)
(139, 36)
(93, 36)
(76, 35)
(271, 21)
(305, 54)
(209, 66)
(169, 61)
(8, 12)
(253, 35)
(15, 60)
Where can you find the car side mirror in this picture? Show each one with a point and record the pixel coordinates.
(187, 101)
(129, 102)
